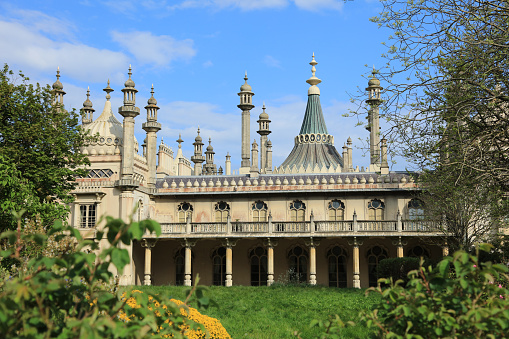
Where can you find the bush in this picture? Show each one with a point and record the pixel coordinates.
(459, 298)
(397, 268)
(70, 295)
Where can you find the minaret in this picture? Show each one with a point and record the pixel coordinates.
(87, 112)
(228, 165)
(269, 157)
(254, 158)
(151, 127)
(58, 92)
(263, 124)
(210, 168)
(198, 157)
(349, 151)
(129, 111)
(373, 126)
(246, 104)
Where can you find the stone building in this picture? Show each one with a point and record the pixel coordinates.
(314, 218)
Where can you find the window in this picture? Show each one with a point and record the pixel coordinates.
(219, 266)
(297, 211)
(222, 209)
(88, 215)
(375, 255)
(298, 264)
(417, 252)
(336, 210)
(258, 259)
(99, 173)
(376, 210)
(415, 209)
(259, 211)
(185, 209)
(336, 258)
(180, 267)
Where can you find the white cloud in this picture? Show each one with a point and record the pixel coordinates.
(317, 5)
(271, 61)
(27, 47)
(208, 64)
(151, 49)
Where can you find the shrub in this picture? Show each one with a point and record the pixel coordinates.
(436, 303)
(397, 268)
(70, 296)
(211, 325)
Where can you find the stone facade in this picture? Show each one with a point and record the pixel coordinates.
(315, 218)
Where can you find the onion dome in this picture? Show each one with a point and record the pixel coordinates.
(87, 103)
(152, 100)
(209, 147)
(263, 115)
(57, 85)
(198, 138)
(129, 83)
(108, 129)
(245, 87)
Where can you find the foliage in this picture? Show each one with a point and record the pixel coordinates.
(278, 311)
(70, 296)
(39, 151)
(459, 298)
(212, 326)
(397, 268)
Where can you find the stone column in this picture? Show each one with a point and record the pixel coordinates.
(126, 204)
(400, 247)
(188, 244)
(312, 244)
(148, 244)
(270, 244)
(356, 263)
(229, 243)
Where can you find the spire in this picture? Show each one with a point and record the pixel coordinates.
(108, 90)
(246, 105)
(152, 107)
(313, 81)
(180, 141)
(87, 111)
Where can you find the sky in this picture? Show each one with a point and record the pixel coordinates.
(195, 53)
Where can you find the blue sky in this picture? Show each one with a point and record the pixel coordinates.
(195, 52)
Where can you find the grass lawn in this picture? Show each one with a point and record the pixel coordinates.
(279, 311)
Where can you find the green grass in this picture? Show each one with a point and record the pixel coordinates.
(279, 311)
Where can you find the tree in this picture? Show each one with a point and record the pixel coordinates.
(447, 69)
(39, 151)
(448, 106)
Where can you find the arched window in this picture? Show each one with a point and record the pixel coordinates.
(415, 209)
(219, 266)
(297, 211)
(298, 264)
(336, 210)
(376, 210)
(180, 267)
(185, 209)
(417, 252)
(336, 258)
(259, 211)
(222, 209)
(258, 259)
(375, 255)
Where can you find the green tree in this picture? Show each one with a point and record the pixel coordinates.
(39, 151)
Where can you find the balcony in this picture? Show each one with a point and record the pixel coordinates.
(318, 228)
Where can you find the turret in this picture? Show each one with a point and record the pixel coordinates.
(228, 164)
(373, 126)
(246, 105)
(58, 92)
(87, 112)
(129, 111)
(198, 157)
(264, 131)
(210, 168)
(254, 157)
(151, 127)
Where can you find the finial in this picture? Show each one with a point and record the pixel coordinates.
(245, 76)
(88, 92)
(313, 81)
(210, 140)
(179, 140)
(108, 89)
(263, 107)
(58, 72)
(198, 129)
(130, 73)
